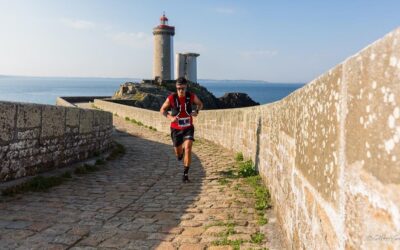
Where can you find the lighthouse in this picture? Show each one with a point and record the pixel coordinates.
(163, 60)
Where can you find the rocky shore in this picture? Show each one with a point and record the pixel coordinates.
(150, 95)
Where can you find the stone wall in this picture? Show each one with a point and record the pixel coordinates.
(69, 101)
(34, 138)
(329, 152)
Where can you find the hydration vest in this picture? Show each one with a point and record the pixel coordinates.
(176, 106)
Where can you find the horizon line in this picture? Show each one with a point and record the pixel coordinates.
(140, 78)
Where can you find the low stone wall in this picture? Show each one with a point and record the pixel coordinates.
(329, 152)
(68, 101)
(147, 117)
(35, 138)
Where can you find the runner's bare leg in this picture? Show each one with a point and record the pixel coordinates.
(178, 150)
(188, 152)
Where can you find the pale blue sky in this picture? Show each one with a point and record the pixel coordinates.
(277, 41)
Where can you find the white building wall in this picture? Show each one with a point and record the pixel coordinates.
(186, 66)
(179, 65)
(191, 68)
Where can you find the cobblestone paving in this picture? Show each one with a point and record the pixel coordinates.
(137, 202)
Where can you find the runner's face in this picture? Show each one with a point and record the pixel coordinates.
(181, 89)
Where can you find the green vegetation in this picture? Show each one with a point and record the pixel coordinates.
(229, 224)
(257, 238)
(235, 244)
(42, 183)
(223, 181)
(85, 169)
(117, 151)
(230, 173)
(247, 169)
(230, 230)
(239, 157)
(246, 181)
(139, 96)
(262, 221)
(151, 128)
(139, 123)
(261, 193)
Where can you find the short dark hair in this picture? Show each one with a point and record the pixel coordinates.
(181, 81)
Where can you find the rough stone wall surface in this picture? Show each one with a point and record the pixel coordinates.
(70, 101)
(34, 138)
(329, 152)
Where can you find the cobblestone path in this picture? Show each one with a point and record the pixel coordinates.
(138, 202)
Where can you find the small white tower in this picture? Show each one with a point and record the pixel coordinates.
(163, 60)
(186, 66)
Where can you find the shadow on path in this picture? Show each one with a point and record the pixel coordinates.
(135, 202)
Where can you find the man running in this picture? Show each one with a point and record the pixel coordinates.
(182, 129)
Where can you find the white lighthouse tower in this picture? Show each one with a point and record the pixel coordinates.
(163, 60)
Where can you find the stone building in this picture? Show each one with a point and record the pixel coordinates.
(186, 66)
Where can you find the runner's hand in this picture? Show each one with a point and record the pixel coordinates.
(173, 118)
(194, 113)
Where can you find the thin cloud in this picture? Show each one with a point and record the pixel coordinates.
(132, 39)
(78, 24)
(258, 53)
(225, 10)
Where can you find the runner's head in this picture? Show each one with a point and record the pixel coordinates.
(181, 86)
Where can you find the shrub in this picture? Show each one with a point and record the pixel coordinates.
(247, 169)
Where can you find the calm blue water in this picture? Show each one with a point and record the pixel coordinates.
(46, 89)
(260, 92)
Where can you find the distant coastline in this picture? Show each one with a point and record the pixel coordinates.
(137, 79)
(45, 90)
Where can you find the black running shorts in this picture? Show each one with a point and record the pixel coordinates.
(178, 136)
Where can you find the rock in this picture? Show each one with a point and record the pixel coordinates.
(151, 95)
(236, 100)
(142, 95)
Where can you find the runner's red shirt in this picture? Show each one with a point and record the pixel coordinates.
(182, 113)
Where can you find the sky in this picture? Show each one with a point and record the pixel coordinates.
(275, 41)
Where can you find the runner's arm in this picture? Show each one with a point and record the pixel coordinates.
(164, 109)
(199, 104)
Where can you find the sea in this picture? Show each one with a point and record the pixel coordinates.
(45, 90)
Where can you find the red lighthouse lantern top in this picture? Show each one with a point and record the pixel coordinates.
(164, 19)
(163, 26)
